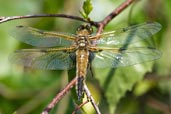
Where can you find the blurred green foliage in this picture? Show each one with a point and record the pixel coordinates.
(140, 89)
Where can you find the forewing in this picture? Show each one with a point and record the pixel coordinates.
(58, 60)
(124, 57)
(40, 38)
(129, 35)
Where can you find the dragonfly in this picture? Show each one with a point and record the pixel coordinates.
(64, 51)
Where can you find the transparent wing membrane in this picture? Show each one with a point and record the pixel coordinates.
(41, 38)
(128, 35)
(110, 49)
(43, 60)
(124, 57)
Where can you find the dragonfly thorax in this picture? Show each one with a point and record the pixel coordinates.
(82, 42)
(83, 32)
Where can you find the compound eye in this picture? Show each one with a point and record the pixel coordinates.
(81, 27)
(89, 28)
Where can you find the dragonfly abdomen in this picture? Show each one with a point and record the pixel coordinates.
(82, 57)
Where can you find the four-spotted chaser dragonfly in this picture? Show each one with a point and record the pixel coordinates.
(60, 51)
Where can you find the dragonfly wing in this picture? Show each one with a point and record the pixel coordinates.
(43, 60)
(124, 57)
(129, 35)
(41, 38)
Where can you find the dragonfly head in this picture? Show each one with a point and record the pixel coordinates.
(85, 29)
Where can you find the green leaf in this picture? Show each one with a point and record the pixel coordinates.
(87, 8)
(83, 14)
(116, 82)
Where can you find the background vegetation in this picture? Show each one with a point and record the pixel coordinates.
(139, 89)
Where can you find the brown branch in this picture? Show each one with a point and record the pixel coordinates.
(59, 96)
(91, 99)
(5, 19)
(78, 107)
(158, 105)
(113, 14)
(100, 25)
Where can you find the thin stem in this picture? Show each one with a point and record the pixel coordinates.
(78, 107)
(113, 14)
(91, 99)
(158, 105)
(59, 96)
(5, 19)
